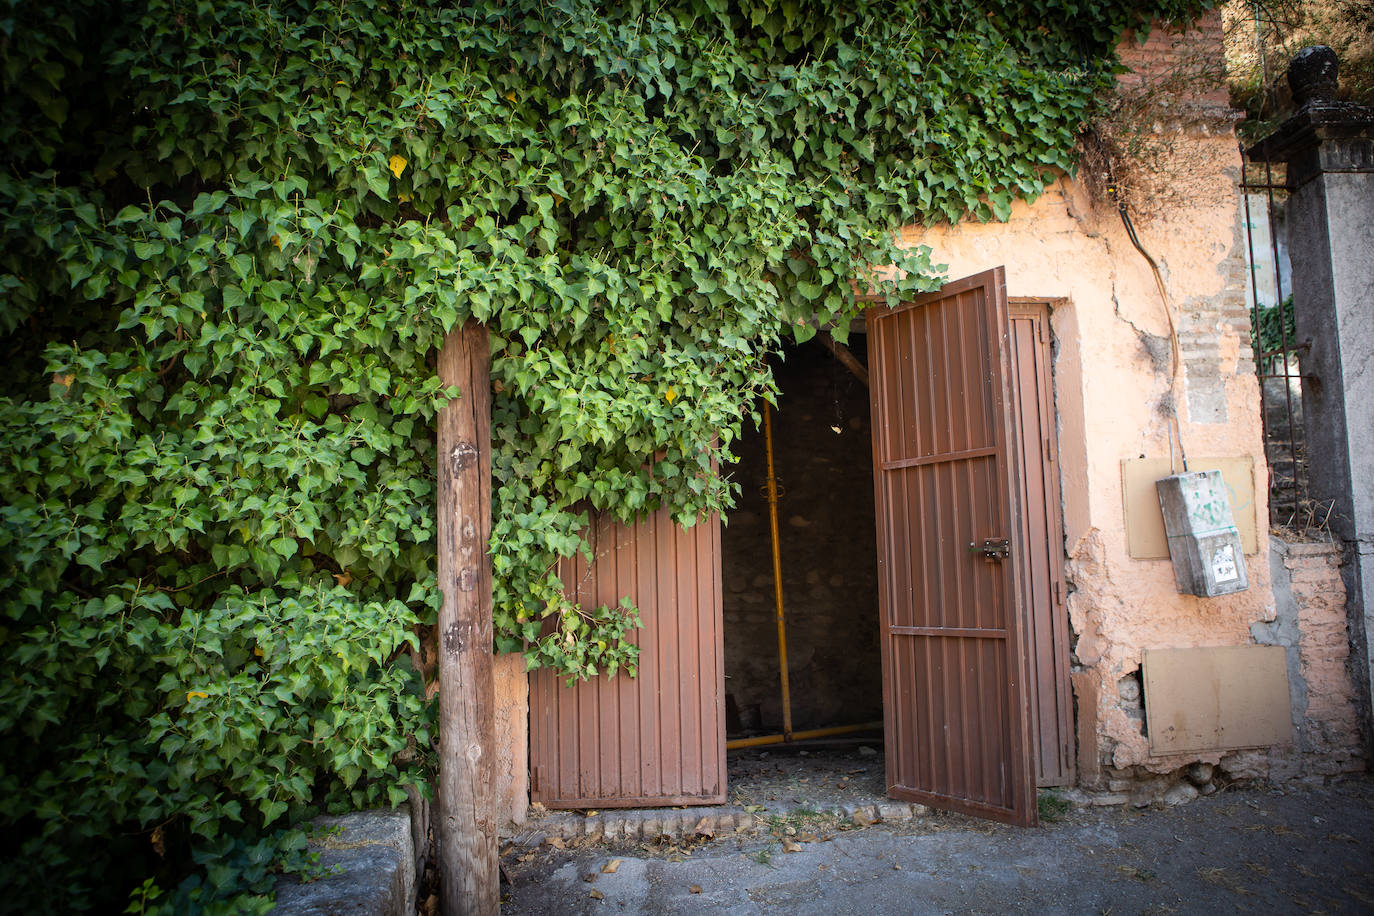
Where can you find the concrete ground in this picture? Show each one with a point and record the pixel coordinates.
(1294, 848)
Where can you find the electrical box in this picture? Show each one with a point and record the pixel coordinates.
(1204, 543)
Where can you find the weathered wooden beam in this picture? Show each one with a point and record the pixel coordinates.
(844, 355)
(466, 797)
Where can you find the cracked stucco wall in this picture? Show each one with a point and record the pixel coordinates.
(1112, 388)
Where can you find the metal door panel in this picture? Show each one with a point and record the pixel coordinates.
(659, 738)
(954, 689)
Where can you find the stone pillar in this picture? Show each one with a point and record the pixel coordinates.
(1329, 148)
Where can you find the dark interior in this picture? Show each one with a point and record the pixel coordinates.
(823, 463)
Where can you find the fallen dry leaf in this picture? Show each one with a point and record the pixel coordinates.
(555, 841)
(590, 876)
(694, 889)
(611, 867)
(789, 846)
(596, 895)
(704, 828)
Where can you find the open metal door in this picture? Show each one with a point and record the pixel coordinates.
(657, 739)
(954, 690)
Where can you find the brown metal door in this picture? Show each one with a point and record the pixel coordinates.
(655, 739)
(954, 692)
(1040, 563)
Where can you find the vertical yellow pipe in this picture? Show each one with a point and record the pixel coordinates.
(777, 573)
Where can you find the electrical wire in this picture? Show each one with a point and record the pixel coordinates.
(1176, 360)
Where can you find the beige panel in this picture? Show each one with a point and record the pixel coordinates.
(1145, 523)
(1216, 698)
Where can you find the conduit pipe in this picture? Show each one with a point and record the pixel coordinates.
(772, 493)
(787, 736)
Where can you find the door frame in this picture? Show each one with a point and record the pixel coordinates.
(1045, 617)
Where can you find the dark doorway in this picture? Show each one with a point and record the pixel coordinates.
(822, 460)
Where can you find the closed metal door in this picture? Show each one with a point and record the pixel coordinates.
(658, 738)
(955, 693)
(1040, 564)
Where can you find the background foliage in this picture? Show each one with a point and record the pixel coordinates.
(1262, 36)
(234, 234)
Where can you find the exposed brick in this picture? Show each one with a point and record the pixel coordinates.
(1330, 729)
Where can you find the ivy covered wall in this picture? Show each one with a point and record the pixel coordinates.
(233, 234)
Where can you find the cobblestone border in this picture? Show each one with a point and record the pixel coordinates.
(712, 820)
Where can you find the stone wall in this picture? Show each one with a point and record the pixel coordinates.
(1311, 624)
(828, 551)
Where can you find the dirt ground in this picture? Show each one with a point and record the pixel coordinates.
(1292, 848)
(819, 778)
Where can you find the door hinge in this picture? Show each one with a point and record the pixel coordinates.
(991, 548)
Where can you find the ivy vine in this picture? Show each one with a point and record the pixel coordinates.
(234, 234)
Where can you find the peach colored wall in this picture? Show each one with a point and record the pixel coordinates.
(1112, 394)
(512, 739)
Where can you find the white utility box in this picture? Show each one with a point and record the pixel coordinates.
(1204, 543)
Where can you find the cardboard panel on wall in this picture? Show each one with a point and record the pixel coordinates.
(1216, 698)
(1145, 537)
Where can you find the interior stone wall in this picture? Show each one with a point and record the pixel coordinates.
(827, 545)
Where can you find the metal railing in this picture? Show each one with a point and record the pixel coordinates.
(1277, 353)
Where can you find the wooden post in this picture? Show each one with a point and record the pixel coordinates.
(466, 798)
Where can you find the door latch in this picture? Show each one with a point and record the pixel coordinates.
(992, 548)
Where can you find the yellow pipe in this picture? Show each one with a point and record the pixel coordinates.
(802, 736)
(777, 573)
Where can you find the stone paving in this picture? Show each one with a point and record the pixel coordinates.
(1291, 848)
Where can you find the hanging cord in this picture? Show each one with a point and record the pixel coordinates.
(1115, 194)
